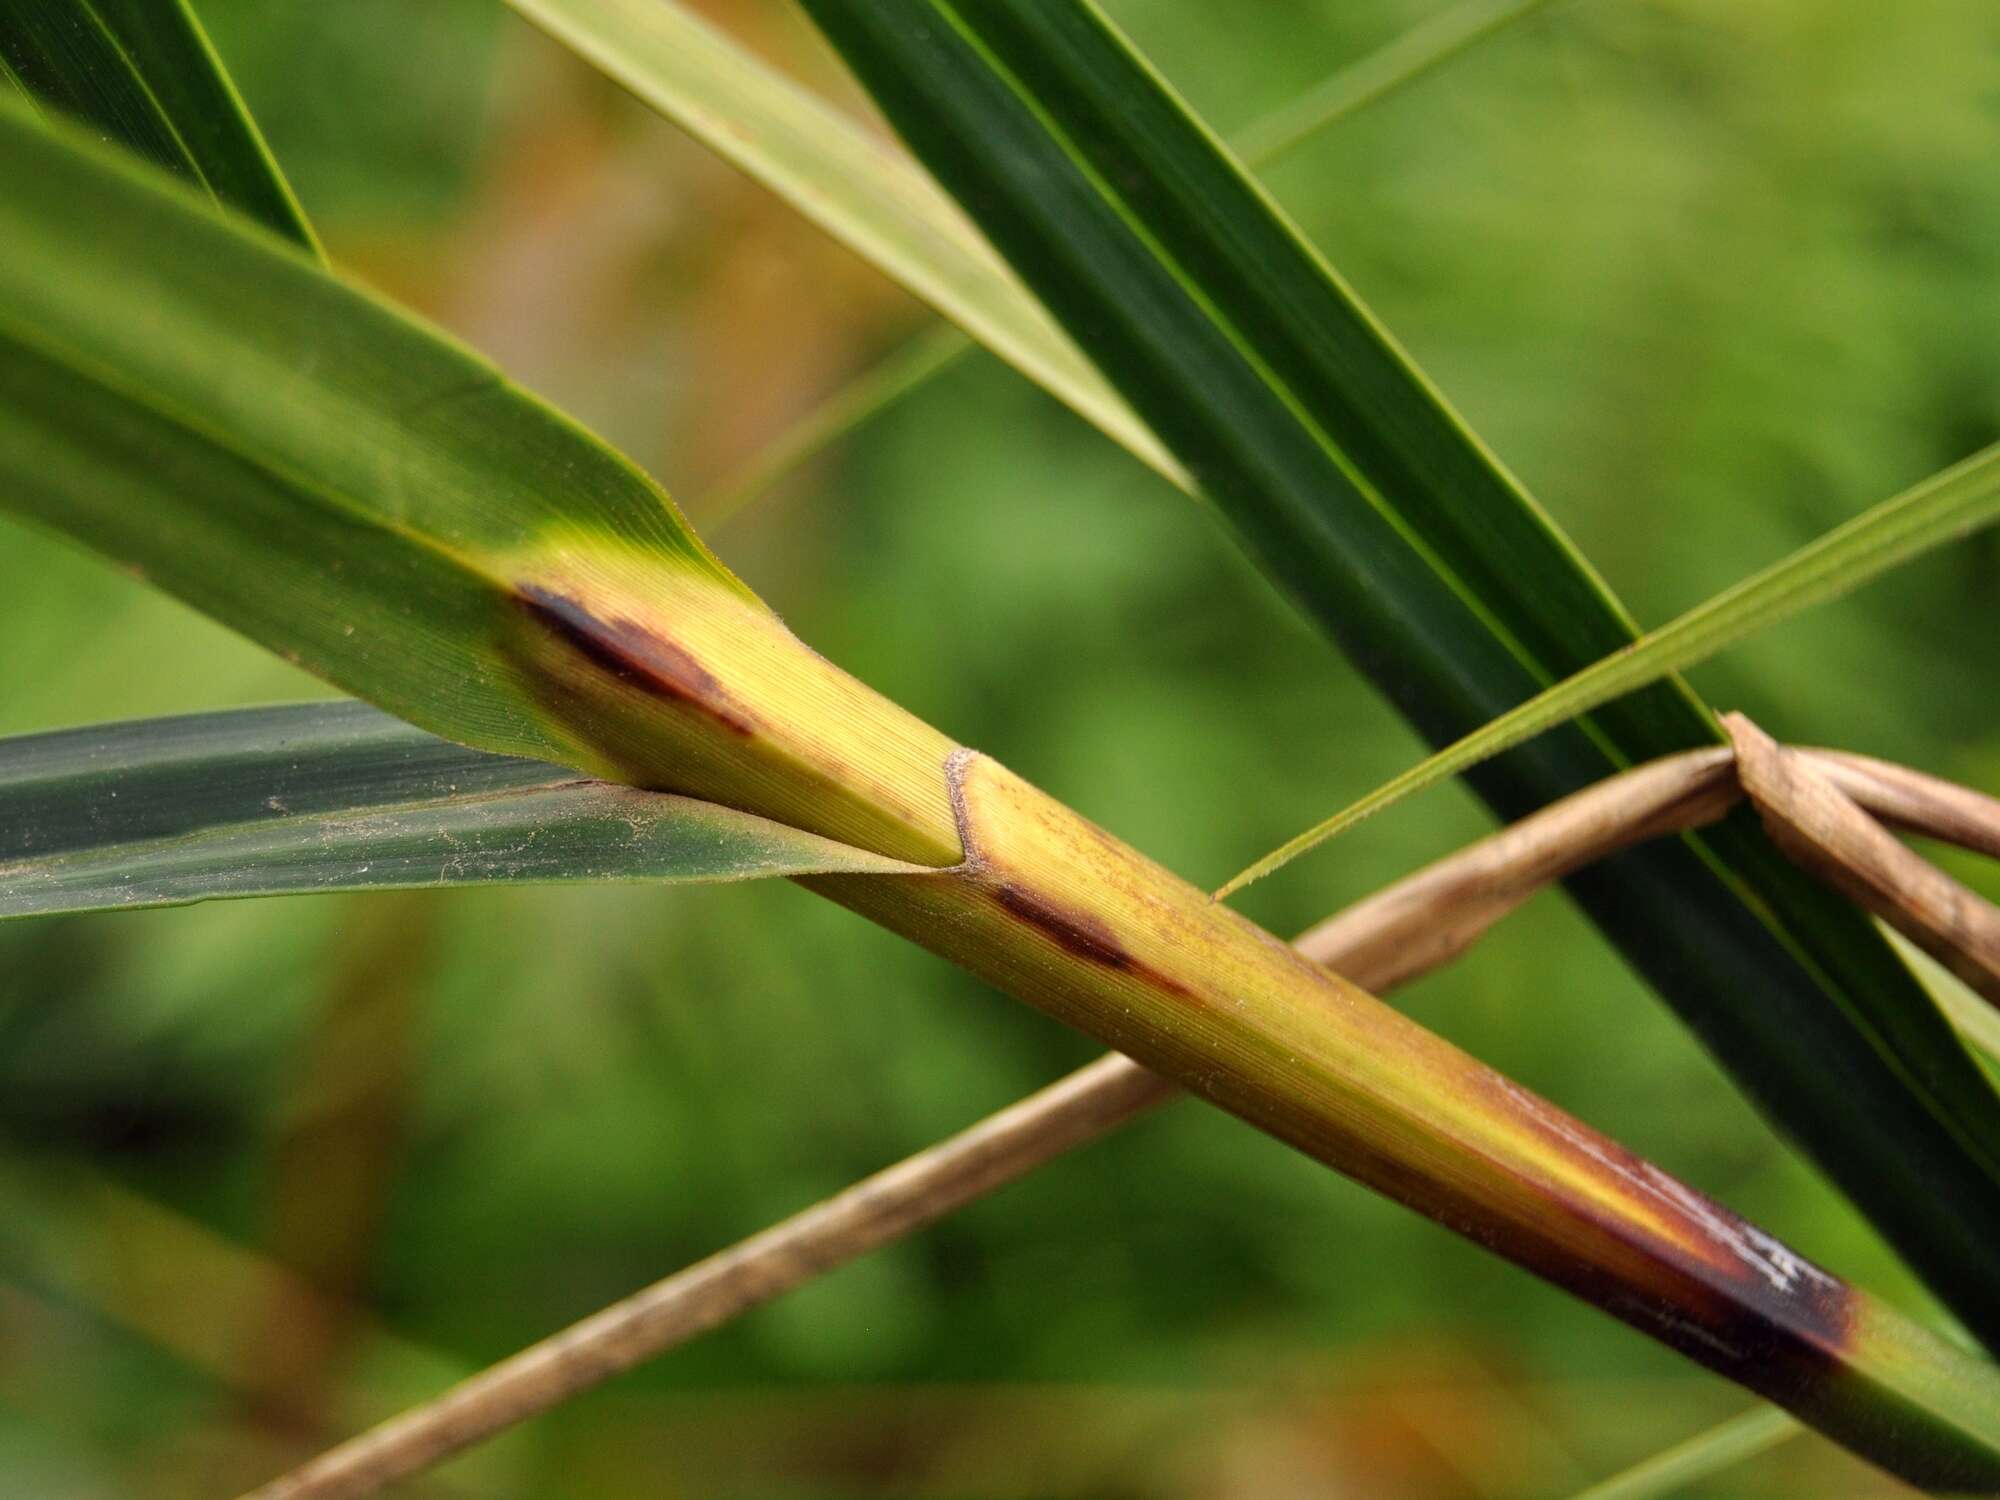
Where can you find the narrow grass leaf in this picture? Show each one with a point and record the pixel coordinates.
(1698, 1458)
(1427, 45)
(283, 450)
(326, 474)
(1976, 1020)
(340, 796)
(855, 186)
(1944, 508)
(867, 395)
(142, 73)
(1361, 493)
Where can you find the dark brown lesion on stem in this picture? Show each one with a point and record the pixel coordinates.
(1088, 937)
(634, 655)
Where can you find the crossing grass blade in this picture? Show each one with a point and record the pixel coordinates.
(1363, 495)
(320, 797)
(1947, 507)
(853, 185)
(1430, 44)
(142, 73)
(855, 403)
(1701, 1456)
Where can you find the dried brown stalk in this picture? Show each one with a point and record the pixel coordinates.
(1427, 919)
(1814, 820)
(876, 1211)
(1910, 800)
(1407, 929)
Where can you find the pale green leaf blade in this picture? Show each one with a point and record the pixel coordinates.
(856, 187)
(872, 198)
(1947, 507)
(322, 797)
(1977, 1021)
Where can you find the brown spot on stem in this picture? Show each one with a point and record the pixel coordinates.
(635, 656)
(1088, 937)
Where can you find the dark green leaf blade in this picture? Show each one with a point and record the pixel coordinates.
(319, 797)
(1365, 497)
(142, 73)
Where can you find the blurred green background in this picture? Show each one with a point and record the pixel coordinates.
(1710, 277)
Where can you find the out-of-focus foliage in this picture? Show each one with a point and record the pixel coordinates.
(1711, 277)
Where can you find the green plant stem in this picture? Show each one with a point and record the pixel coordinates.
(1412, 928)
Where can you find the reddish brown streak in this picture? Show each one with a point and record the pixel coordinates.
(635, 656)
(1083, 935)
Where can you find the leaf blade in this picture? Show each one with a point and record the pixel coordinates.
(176, 411)
(786, 139)
(354, 490)
(850, 184)
(143, 73)
(312, 798)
